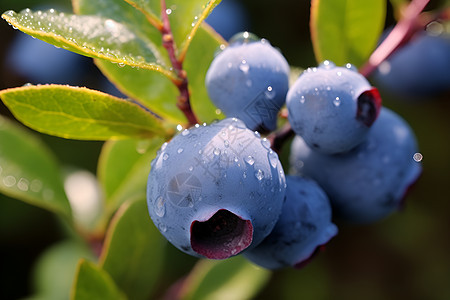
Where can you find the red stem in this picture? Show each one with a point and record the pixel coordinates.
(184, 98)
(399, 35)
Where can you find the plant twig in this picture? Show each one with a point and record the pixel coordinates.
(278, 138)
(184, 98)
(399, 35)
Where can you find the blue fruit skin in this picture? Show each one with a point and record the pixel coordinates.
(249, 81)
(417, 70)
(224, 166)
(369, 182)
(322, 106)
(228, 18)
(304, 225)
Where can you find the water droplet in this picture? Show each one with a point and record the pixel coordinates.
(243, 37)
(36, 185)
(226, 143)
(259, 174)
(9, 181)
(216, 151)
(326, 64)
(179, 127)
(339, 73)
(302, 99)
(250, 160)
(218, 111)
(180, 150)
(23, 184)
(165, 156)
(266, 143)
(257, 134)
(168, 11)
(121, 65)
(191, 168)
(337, 101)
(273, 159)
(417, 157)
(351, 67)
(244, 67)
(163, 146)
(270, 92)
(185, 132)
(162, 227)
(160, 207)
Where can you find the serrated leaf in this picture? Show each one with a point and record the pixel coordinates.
(92, 36)
(91, 282)
(123, 169)
(80, 113)
(234, 278)
(346, 31)
(133, 251)
(28, 170)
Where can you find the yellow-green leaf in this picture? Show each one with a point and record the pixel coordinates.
(80, 113)
(29, 171)
(346, 31)
(92, 36)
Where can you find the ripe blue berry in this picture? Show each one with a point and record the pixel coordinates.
(418, 69)
(302, 229)
(216, 190)
(249, 80)
(332, 108)
(369, 182)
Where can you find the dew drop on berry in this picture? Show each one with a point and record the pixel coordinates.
(266, 143)
(160, 207)
(273, 159)
(244, 66)
(259, 174)
(250, 160)
(337, 101)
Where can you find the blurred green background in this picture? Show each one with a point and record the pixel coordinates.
(405, 256)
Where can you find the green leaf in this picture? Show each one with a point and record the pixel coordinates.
(91, 282)
(234, 278)
(158, 92)
(346, 31)
(55, 270)
(29, 171)
(134, 250)
(123, 169)
(92, 36)
(197, 61)
(80, 113)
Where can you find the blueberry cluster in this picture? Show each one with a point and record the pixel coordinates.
(219, 190)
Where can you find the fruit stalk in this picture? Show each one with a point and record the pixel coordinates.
(399, 35)
(182, 84)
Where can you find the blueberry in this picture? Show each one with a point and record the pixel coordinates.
(216, 190)
(228, 10)
(418, 69)
(332, 108)
(302, 229)
(369, 182)
(249, 80)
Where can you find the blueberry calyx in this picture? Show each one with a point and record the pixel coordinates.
(369, 105)
(221, 236)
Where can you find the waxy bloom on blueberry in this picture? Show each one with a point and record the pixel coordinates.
(370, 181)
(332, 108)
(214, 191)
(249, 80)
(302, 229)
